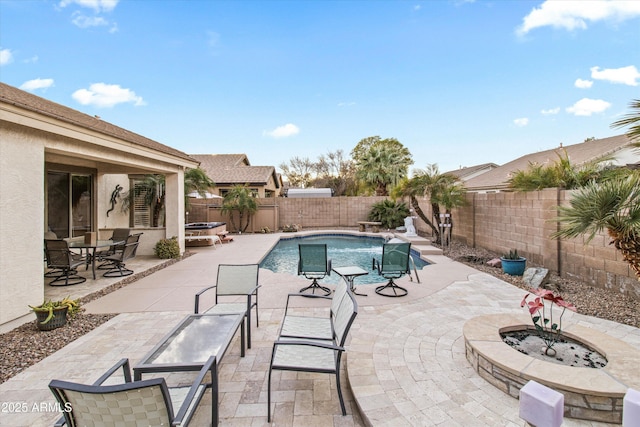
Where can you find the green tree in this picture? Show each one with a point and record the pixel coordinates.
(612, 205)
(389, 212)
(239, 200)
(198, 181)
(381, 163)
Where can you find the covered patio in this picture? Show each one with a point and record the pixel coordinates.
(405, 363)
(65, 173)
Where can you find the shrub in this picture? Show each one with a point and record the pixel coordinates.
(390, 213)
(167, 248)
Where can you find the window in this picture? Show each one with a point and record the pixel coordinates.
(147, 201)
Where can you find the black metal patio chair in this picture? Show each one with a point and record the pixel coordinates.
(133, 403)
(63, 262)
(118, 259)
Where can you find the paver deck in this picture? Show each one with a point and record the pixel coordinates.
(405, 364)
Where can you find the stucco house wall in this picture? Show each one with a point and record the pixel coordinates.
(21, 220)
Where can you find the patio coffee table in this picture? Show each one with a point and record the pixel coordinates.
(188, 346)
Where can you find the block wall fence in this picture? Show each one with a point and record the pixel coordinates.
(497, 222)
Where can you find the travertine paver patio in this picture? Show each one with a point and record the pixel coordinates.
(405, 364)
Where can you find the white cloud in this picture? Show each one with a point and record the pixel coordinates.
(587, 107)
(550, 111)
(6, 57)
(283, 131)
(104, 95)
(571, 15)
(83, 21)
(583, 84)
(96, 5)
(35, 84)
(521, 122)
(346, 104)
(625, 75)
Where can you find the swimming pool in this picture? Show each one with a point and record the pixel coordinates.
(342, 249)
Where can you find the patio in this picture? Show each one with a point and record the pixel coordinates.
(405, 364)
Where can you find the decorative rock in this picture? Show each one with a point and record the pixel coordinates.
(494, 263)
(536, 277)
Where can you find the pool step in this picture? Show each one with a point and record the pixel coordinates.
(420, 244)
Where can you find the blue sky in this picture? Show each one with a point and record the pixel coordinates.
(459, 83)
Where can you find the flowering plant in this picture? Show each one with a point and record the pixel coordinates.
(542, 315)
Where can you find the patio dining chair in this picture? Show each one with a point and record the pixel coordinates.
(133, 403)
(314, 264)
(234, 280)
(118, 235)
(63, 262)
(118, 259)
(394, 264)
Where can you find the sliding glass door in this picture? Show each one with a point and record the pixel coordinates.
(69, 203)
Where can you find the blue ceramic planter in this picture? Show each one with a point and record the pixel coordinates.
(514, 267)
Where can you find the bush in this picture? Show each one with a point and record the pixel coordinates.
(390, 213)
(167, 248)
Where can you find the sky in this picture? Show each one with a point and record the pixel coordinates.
(459, 83)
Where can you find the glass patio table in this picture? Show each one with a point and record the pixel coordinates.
(350, 273)
(190, 344)
(92, 256)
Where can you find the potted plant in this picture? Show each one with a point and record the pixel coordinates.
(513, 264)
(53, 314)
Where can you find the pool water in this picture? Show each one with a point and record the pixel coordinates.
(343, 250)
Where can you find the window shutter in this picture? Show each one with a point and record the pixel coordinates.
(141, 211)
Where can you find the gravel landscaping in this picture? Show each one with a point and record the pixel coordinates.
(26, 345)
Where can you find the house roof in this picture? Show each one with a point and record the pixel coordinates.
(25, 100)
(464, 174)
(235, 169)
(578, 154)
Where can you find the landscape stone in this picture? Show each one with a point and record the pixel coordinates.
(536, 276)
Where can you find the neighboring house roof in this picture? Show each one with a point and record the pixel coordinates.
(25, 100)
(235, 169)
(579, 154)
(465, 174)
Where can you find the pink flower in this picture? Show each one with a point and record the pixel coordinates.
(562, 303)
(544, 293)
(535, 305)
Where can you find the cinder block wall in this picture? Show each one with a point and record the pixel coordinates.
(525, 221)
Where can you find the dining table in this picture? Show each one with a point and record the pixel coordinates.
(91, 249)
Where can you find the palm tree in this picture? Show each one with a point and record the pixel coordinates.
(198, 181)
(613, 205)
(381, 163)
(633, 120)
(239, 199)
(441, 189)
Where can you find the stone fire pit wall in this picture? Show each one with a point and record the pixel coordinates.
(589, 394)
